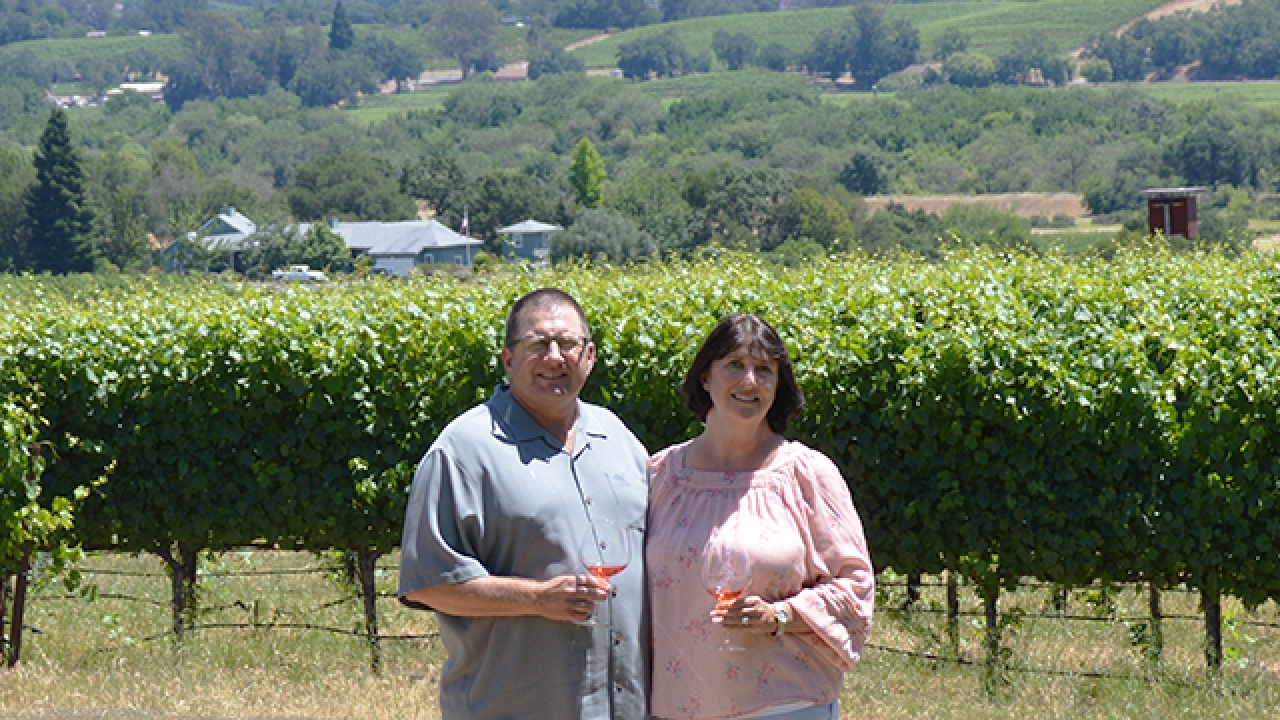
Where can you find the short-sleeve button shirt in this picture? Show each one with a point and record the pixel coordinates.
(497, 495)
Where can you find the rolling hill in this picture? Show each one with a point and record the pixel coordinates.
(993, 24)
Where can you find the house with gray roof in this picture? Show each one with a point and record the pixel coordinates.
(225, 232)
(397, 247)
(529, 240)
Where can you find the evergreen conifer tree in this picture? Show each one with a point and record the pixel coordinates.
(341, 34)
(587, 174)
(59, 221)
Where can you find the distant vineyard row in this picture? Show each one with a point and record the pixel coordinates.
(1004, 417)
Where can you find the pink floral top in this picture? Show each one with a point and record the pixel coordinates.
(806, 545)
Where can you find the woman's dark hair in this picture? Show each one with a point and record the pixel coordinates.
(758, 337)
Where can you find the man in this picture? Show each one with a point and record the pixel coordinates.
(498, 507)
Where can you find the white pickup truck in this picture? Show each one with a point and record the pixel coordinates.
(298, 272)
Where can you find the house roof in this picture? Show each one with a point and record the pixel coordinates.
(228, 224)
(397, 238)
(529, 226)
(1174, 192)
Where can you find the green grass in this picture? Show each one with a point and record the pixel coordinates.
(373, 109)
(1253, 95)
(993, 24)
(94, 658)
(73, 50)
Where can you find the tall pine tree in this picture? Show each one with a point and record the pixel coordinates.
(59, 221)
(341, 35)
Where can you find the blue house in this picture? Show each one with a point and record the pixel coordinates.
(529, 240)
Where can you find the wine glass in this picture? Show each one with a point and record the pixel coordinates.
(605, 551)
(726, 573)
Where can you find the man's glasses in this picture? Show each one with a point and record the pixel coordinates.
(568, 345)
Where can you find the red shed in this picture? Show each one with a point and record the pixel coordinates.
(1173, 211)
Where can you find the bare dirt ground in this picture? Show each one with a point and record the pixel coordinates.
(585, 42)
(1023, 204)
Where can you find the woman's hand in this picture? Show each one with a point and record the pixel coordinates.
(761, 619)
(750, 614)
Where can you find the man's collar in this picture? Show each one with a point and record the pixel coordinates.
(512, 422)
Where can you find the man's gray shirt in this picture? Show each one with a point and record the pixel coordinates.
(497, 495)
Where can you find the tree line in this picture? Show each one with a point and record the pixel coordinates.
(757, 160)
(1230, 41)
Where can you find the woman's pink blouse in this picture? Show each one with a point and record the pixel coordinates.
(806, 545)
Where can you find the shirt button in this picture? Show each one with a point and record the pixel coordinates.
(617, 687)
(588, 501)
(617, 638)
(613, 592)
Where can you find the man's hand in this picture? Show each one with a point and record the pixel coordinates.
(570, 598)
(567, 598)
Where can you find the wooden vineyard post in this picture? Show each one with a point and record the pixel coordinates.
(183, 573)
(1156, 649)
(1212, 602)
(19, 606)
(1060, 593)
(368, 565)
(4, 608)
(994, 675)
(953, 612)
(913, 592)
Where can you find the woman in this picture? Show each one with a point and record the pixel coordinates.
(740, 484)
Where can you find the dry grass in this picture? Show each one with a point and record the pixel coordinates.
(92, 660)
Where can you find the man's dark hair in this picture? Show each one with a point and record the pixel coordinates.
(758, 337)
(537, 300)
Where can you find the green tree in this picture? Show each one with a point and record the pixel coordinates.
(502, 198)
(279, 245)
(434, 177)
(467, 31)
(587, 174)
(663, 55)
(818, 217)
(351, 186)
(330, 82)
(59, 220)
(654, 201)
(950, 42)
(1031, 53)
(16, 178)
(548, 57)
(969, 69)
(341, 35)
(735, 50)
(603, 14)
(1096, 70)
(864, 173)
(896, 228)
(117, 188)
(868, 46)
(982, 225)
(392, 60)
(603, 234)
(775, 56)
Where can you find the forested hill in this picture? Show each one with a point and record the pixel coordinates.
(758, 159)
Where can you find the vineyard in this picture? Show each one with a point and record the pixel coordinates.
(1006, 419)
